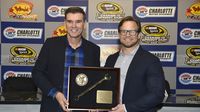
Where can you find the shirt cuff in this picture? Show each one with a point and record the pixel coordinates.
(124, 108)
(52, 92)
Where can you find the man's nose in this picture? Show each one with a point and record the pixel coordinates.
(74, 24)
(128, 33)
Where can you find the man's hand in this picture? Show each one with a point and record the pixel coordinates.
(62, 101)
(118, 108)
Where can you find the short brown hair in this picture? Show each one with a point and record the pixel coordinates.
(130, 18)
(75, 10)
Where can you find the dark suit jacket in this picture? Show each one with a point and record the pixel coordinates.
(48, 71)
(144, 85)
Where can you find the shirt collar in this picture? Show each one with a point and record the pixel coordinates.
(79, 45)
(132, 53)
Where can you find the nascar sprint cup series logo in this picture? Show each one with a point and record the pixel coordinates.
(22, 10)
(22, 55)
(153, 33)
(193, 54)
(109, 11)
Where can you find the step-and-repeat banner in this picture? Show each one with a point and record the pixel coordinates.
(170, 30)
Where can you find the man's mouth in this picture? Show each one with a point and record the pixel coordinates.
(75, 30)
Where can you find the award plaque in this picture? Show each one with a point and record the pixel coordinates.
(93, 88)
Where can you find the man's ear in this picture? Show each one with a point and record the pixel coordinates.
(64, 24)
(85, 25)
(139, 35)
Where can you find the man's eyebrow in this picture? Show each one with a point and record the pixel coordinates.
(74, 20)
(128, 30)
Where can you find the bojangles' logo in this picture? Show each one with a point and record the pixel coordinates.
(193, 12)
(22, 10)
(60, 31)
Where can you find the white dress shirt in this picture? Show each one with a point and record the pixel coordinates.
(123, 62)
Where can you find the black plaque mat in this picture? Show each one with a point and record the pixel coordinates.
(88, 100)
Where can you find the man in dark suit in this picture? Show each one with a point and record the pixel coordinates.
(142, 77)
(57, 54)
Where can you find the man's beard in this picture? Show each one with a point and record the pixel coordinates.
(130, 45)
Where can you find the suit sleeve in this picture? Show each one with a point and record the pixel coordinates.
(107, 62)
(110, 61)
(155, 89)
(39, 71)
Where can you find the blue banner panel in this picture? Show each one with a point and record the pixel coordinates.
(15, 71)
(54, 10)
(18, 32)
(188, 33)
(155, 11)
(102, 33)
(166, 54)
(188, 78)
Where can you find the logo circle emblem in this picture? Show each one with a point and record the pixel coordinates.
(81, 79)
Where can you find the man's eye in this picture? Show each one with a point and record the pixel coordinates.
(123, 31)
(69, 21)
(79, 21)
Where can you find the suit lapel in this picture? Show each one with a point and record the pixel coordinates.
(132, 67)
(87, 51)
(110, 62)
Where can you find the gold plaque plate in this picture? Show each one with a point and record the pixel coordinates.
(104, 97)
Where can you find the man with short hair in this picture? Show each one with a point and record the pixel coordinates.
(142, 77)
(57, 54)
